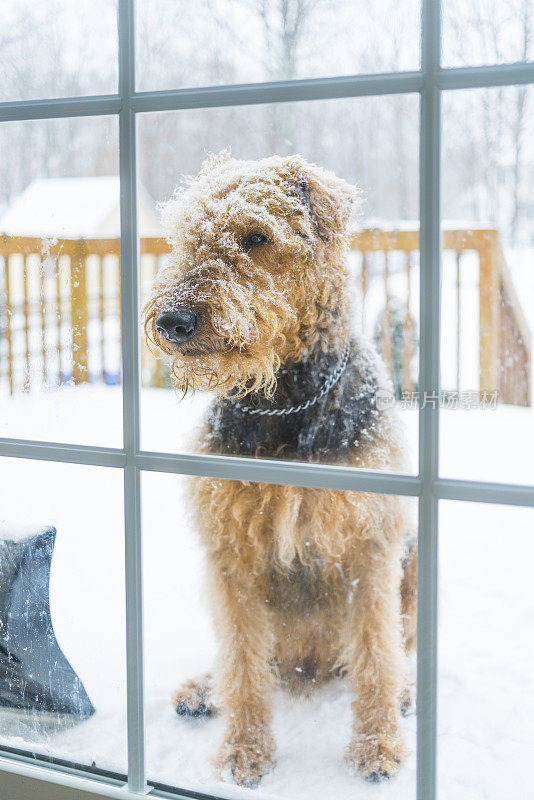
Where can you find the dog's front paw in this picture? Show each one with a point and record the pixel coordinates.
(246, 761)
(377, 758)
(194, 698)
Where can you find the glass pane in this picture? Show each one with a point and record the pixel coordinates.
(264, 592)
(58, 48)
(286, 309)
(486, 687)
(62, 644)
(60, 357)
(488, 284)
(487, 32)
(181, 44)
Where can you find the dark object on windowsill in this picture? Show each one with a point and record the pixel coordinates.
(35, 677)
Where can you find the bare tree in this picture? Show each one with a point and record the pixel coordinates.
(518, 125)
(373, 142)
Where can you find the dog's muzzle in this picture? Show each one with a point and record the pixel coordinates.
(177, 326)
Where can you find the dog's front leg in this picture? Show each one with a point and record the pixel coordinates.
(244, 677)
(374, 657)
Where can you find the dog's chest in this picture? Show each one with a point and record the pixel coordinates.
(325, 431)
(302, 588)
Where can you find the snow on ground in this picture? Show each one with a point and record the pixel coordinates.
(486, 707)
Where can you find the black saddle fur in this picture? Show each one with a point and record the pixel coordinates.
(339, 422)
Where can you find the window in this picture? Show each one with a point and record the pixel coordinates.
(98, 470)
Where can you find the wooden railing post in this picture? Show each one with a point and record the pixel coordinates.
(79, 314)
(515, 343)
(26, 312)
(9, 313)
(59, 326)
(458, 323)
(489, 314)
(158, 378)
(42, 312)
(407, 350)
(363, 289)
(387, 337)
(102, 315)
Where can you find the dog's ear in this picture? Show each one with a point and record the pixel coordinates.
(330, 200)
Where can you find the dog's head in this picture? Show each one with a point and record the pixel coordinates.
(256, 273)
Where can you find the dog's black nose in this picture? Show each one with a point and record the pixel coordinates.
(177, 326)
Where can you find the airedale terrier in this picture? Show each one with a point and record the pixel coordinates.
(306, 584)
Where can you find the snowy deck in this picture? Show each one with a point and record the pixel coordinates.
(486, 724)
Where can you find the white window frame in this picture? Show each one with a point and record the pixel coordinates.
(23, 778)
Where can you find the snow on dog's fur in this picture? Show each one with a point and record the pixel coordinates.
(264, 306)
(306, 584)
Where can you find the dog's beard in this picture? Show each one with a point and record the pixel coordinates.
(232, 371)
(202, 346)
(237, 348)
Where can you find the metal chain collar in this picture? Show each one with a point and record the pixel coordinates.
(283, 412)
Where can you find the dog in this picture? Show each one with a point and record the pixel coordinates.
(306, 584)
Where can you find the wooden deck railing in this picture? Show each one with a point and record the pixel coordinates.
(60, 310)
(505, 339)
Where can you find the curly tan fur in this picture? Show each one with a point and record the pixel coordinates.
(305, 584)
(255, 325)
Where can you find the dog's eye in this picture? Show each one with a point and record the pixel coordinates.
(255, 239)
